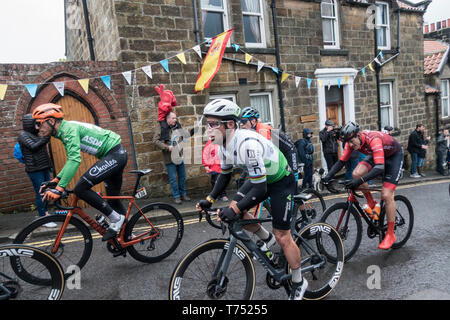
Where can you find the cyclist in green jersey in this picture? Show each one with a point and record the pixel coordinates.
(85, 137)
(269, 176)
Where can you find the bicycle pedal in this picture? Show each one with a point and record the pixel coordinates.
(120, 253)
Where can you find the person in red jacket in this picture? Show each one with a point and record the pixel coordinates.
(211, 161)
(165, 106)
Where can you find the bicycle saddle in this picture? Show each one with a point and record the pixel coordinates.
(302, 196)
(141, 172)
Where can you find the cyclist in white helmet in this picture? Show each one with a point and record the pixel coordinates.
(269, 176)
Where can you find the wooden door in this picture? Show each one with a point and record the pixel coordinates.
(335, 112)
(74, 110)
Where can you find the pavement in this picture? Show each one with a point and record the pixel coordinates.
(11, 224)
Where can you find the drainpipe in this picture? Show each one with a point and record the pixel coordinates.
(196, 29)
(277, 55)
(88, 30)
(437, 97)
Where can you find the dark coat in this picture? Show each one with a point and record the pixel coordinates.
(34, 148)
(305, 148)
(329, 142)
(415, 143)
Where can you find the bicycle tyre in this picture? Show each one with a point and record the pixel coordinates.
(162, 245)
(332, 216)
(77, 235)
(19, 255)
(333, 266)
(204, 256)
(400, 218)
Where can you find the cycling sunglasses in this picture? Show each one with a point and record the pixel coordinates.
(214, 124)
(38, 124)
(244, 120)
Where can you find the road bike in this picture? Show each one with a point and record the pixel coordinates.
(347, 218)
(224, 268)
(15, 259)
(150, 235)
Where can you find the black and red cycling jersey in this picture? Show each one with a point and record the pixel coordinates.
(375, 143)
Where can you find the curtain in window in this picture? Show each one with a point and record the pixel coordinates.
(381, 23)
(262, 104)
(444, 95)
(251, 23)
(328, 22)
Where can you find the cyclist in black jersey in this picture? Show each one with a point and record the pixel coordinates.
(269, 176)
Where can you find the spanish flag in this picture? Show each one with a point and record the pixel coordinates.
(212, 61)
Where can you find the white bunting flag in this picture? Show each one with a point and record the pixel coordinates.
(260, 65)
(198, 50)
(60, 87)
(297, 81)
(148, 71)
(127, 75)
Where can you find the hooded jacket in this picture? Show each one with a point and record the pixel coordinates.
(305, 148)
(33, 147)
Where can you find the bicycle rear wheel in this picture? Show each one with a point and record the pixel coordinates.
(314, 207)
(317, 242)
(404, 221)
(156, 218)
(196, 275)
(22, 257)
(74, 249)
(348, 224)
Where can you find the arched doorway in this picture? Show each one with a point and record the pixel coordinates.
(74, 109)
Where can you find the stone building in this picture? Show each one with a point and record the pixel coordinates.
(328, 41)
(320, 40)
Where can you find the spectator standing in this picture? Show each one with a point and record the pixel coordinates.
(417, 147)
(328, 138)
(37, 161)
(172, 149)
(305, 150)
(442, 148)
(211, 161)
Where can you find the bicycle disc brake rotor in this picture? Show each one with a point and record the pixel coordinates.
(216, 292)
(58, 253)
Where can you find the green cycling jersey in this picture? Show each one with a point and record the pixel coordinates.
(82, 137)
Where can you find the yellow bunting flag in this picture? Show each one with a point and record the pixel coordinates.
(182, 57)
(3, 91)
(346, 79)
(247, 58)
(84, 83)
(284, 76)
(371, 68)
(212, 61)
(320, 83)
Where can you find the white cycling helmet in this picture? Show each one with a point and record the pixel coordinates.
(223, 109)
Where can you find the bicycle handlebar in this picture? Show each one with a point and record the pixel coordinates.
(329, 186)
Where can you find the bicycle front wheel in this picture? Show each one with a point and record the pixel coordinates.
(160, 228)
(23, 258)
(196, 276)
(317, 242)
(404, 221)
(346, 220)
(74, 248)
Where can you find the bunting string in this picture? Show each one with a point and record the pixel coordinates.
(181, 56)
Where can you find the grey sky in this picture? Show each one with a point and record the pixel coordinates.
(32, 31)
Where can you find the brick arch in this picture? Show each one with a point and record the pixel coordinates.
(99, 98)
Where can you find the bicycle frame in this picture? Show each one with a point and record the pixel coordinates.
(237, 233)
(120, 242)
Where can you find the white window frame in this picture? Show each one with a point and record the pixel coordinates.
(335, 19)
(224, 12)
(380, 26)
(269, 94)
(447, 83)
(262, 28)
(223, 96)
(390, 106)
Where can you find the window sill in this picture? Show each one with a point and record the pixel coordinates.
(333, 52)
(252, 50)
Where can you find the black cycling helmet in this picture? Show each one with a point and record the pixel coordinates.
(350, 130)
(388, 128)
(249, 112)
